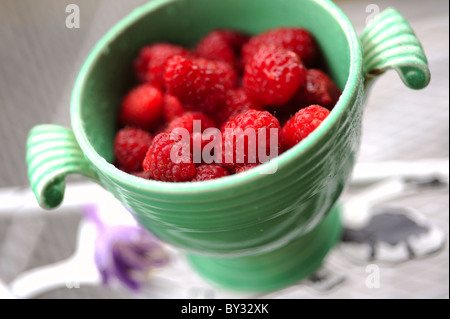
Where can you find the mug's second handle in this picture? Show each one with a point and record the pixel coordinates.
(52, 154)
(389, 42)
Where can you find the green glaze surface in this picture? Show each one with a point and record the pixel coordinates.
(276, 268)
(248, 214)
(389, 42)
(52, 154)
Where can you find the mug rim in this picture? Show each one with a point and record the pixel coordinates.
(231, 181)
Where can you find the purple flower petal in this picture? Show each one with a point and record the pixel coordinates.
(122, 272)
(125, 252)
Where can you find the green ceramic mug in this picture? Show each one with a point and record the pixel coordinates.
(249, 231)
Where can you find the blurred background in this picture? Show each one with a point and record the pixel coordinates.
(40, 58)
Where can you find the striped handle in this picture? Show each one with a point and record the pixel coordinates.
(389, 42)
(52, 154)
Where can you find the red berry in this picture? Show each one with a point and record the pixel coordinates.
(214, 46)
(294, 39)
(318, 89)
(130, 146)
(172, 107)
(302, 124)
(149, 65)
(159, 164)
(237, 102)
(273, 75)
(208, 172)
(254, 123)
(218, 72)
(179, 77)
(222, 45)
(186, 121)
(199, 84)
(142, 107)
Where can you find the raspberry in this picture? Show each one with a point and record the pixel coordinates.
(222, 45)
(149, 65)
(302, 124)
(255, 121)
(237, 102)
(179, 77)
(273, 75)
(142, 107)
(208, 172)
(295, 39)
(159, 165)
(225, 75)
(199, 84)
(130, 146)
(186, 121)
(318, 89)
(214, 46)
(172, 107)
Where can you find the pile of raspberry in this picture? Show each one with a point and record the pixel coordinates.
(229, 81)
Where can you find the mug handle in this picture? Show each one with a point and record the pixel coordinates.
(389, 42)
(52, 153)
